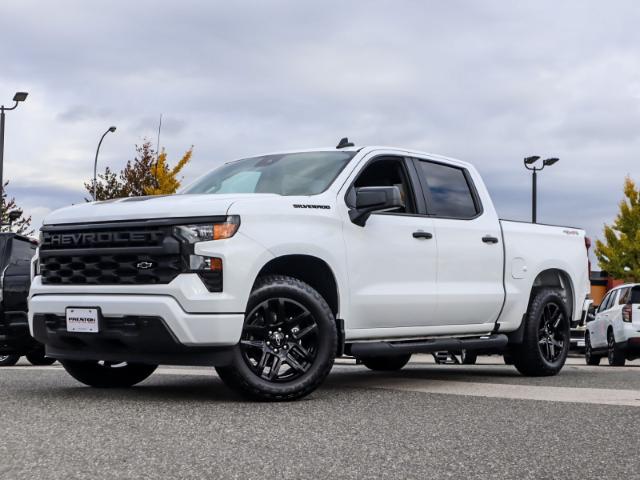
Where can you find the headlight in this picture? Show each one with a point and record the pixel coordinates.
(208, 231)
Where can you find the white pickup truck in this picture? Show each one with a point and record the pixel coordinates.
(269, 267)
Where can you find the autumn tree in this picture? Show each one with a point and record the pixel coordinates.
(23, 224)
(619, 254)
(147, 174)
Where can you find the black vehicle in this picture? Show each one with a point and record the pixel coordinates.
(16, 252)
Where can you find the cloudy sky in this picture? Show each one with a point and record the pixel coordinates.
(485, 81)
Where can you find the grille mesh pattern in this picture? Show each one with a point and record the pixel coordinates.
(100, 269)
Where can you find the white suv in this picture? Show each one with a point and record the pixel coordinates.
(615, 330)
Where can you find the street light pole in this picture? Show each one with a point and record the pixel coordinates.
(17, 98)
(529, 165)
(95, 163)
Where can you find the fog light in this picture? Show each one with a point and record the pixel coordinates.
(200, 263)
(209, 269)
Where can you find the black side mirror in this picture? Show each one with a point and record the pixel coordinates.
(591, 313)
(366, 200)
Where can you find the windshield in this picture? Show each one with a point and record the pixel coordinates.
(307, 173)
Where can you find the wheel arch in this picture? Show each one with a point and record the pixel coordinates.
(310, 269)
(557, 279)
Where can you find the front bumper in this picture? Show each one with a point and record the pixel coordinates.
(189, 329)
(152, 329)
(577, 337)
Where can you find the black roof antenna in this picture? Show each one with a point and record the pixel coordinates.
(344, 143)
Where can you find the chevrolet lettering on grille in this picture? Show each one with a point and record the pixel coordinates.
(98, 238)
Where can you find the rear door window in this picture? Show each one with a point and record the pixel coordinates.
(625, 293)
(448, 190)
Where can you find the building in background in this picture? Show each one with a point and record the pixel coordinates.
(601, 283)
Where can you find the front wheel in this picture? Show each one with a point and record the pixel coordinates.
(8, 360)
(108, 374)
(547, 335)
(386, 364)
(589, 356)
(288, 343)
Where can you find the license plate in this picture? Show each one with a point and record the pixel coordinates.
(82, 320)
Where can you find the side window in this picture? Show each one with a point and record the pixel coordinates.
(635, 295)
(605, 301)
(388, 172)
(610, 300)
(449, 191)
(625, 294)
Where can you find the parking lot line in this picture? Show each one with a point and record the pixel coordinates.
(599, 396)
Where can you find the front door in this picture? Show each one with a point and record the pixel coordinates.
(392, 260)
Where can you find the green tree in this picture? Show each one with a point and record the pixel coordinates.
(619, 254)
(147, 174)
(23, 224)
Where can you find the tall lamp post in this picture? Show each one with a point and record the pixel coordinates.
(95, 163)
(17, 98)
(529, 164)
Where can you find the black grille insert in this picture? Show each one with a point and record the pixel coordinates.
(119, 269)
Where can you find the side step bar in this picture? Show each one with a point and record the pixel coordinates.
(389, 349)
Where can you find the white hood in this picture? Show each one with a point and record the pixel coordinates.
(161, 206)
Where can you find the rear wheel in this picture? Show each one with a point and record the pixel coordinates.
(615, 354)
(108, 374)
(288, 343)
(545, 345)
(589, 356)
(386, 363)
(37, 357)
(8, 360)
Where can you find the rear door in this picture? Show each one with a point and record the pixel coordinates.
(470, 251)
(601, 323)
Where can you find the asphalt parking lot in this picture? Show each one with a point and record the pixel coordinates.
(427, 421)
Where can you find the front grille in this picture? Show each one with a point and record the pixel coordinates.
(118, 269)
(115, 254)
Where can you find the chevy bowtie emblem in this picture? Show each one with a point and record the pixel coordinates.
(144, 265)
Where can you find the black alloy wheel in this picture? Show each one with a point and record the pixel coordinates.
(615, 355)
(546, 336)
(288, 342)
(589, 357)
(552, 332)
(280, 340)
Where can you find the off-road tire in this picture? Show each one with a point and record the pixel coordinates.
(528, 357)
(240, 377)
(107, 375)
(615, 354)
(9, 360)
(589, 357)
(386, 364)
